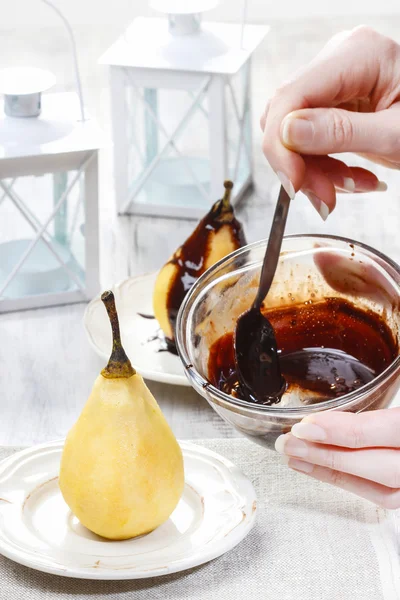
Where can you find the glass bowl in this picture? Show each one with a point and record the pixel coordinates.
(311, 268)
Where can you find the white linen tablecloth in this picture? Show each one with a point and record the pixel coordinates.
(310, 542)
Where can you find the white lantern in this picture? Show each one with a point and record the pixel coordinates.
(49, 237)
(180, 96)
(48, 206)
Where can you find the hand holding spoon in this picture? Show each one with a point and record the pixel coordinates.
(256, 354)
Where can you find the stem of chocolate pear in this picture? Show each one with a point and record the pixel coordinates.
(119, 365)
(226, 200)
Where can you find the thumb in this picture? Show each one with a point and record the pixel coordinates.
(322, 131)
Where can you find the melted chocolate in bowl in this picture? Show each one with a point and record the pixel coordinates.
(326, 350)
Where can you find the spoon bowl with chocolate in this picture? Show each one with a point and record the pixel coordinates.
(334, 306)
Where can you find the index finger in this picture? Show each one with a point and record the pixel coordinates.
(376, 428)
(343, 71)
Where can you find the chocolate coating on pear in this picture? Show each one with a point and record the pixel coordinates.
(191, 258)
(119, 366)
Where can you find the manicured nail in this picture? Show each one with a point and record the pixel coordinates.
(349, 184)
(366, 186)
(287, 444)
(371, 186)
(286, 184)
(321, 208)
(300, 465)
(309, 431)
(280, 444)
(297, 133)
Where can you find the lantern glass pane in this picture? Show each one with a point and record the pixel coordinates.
(26, 205)
(168, 149)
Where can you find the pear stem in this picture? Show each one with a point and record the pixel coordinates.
(226, 200)
(119, 365)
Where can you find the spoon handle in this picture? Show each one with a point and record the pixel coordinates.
(272, 252)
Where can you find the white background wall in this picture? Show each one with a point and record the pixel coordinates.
(114, 12)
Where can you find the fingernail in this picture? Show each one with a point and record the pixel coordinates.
(297, 132)
(349, 184)
(371, 186)
(280, 444)
(300, 465)
(321, 208)
(309, 431)
(287, 444)
(286, 184)
(381, 186)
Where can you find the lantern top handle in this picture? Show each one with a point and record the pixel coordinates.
(74, 54)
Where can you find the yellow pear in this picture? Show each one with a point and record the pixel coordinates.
(219, 233)
(121, 469)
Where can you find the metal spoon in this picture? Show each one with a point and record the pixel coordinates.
(256, 354)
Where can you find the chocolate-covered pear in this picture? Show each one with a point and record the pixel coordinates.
(219, 233)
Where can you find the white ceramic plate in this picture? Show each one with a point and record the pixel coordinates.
(134, 296)
(37, 529)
